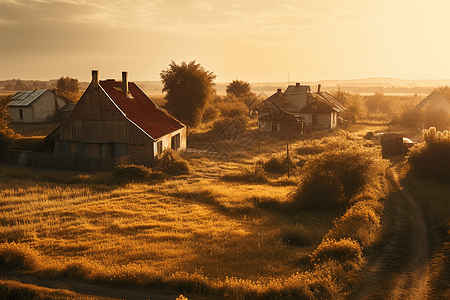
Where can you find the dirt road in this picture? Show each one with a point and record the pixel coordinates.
(400, 268)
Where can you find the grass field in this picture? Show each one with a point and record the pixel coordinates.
(194, 233)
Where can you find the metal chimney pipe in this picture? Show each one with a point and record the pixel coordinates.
(318, 88)
(125, 82)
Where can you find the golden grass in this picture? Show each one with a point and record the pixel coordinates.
(193, 234)
(209, 228)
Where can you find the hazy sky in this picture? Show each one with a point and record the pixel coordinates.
(251, 40)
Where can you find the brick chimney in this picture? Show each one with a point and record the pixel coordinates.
(95, 77)
(278, 90)
(125, 82)
(318, 88)
(297, 84)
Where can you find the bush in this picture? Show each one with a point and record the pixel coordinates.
(6, 139)
(332, 178)
(17, 257)
(171, 163)
(278, 165)
(341, 250)
(131, 173)
(361, 223)
(431, 159)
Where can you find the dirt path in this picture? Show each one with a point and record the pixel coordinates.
(399, 269)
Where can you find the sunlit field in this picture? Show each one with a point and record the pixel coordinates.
(194, 233)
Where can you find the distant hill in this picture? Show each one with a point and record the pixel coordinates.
(364, 85)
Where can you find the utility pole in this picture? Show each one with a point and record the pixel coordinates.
(287, 154)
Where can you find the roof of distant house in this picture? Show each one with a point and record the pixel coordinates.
(432, 100)
(329, 99)
(137, 107)
(25, 98)
(295, 98)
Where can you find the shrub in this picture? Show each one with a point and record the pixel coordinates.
(338, 250)
(431, 159)
(131, 173)
(278, 165)
(171, 163)
(6, 139)
(17, 257)
(361, 223)
(332, 178)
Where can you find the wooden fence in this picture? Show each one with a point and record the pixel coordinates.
(61, 162)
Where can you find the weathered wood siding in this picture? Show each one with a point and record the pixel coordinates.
(97, 119)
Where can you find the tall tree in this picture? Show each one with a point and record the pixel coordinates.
(68, 87)
(238, 88)
(188, 88)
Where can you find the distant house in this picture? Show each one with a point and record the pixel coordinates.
(297, 110)
(435, 101)
(35, 106)
(115, 119)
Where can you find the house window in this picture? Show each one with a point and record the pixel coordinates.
(314, 120)
(176, 142)
(159, 147)
(274, 127)
(20, 114)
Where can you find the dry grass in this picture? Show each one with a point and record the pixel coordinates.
(212, 229)
(194, 233)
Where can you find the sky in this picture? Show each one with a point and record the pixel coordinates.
(250, 40)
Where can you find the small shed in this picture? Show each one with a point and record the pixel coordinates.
(35, 106)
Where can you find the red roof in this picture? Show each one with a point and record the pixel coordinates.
(140, 109)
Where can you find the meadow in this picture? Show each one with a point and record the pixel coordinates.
(197, 234)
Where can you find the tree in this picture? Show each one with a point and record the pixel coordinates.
(20, 86)
(6, 134)
(238, 88)
(410, 117)
(356, 108)
(188, 88)
(68, 87)
(4, 113)
(341, 96)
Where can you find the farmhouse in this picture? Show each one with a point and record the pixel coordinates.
(35, 106)
(298, 110)
(117, 119)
